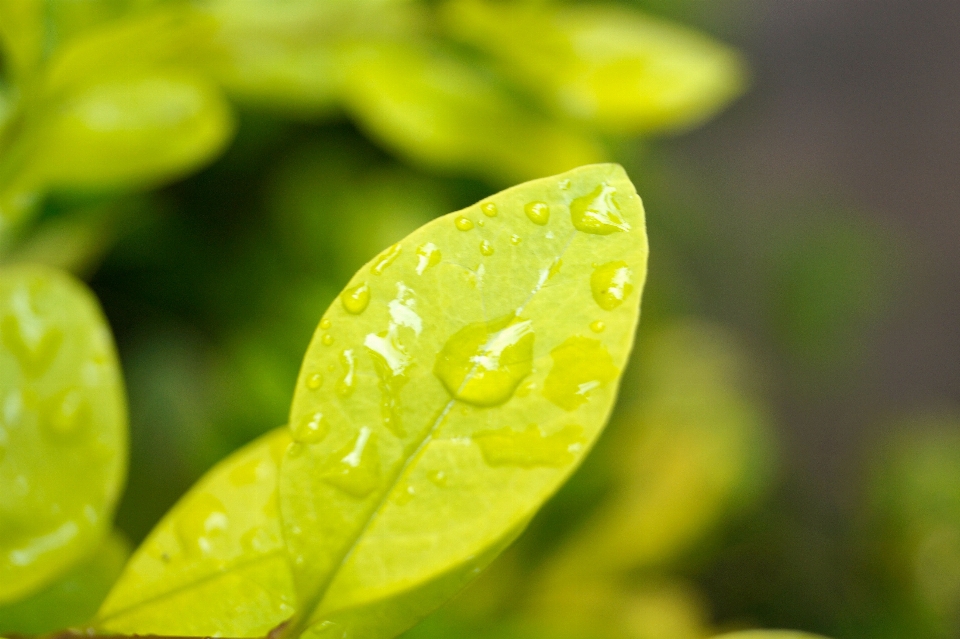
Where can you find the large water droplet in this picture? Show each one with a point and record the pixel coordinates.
(311, 429)
(355, 298)
(355, 469)
(598, 212)
(489, 209)
(538, 212)
(390, 363)
(580, 365)
(611, 284)
(530, 448)
(483, 362)
(463, 223)
(35, 355)
(427, 255)
(486, 248)
(385, 259)
(349, 379)
(203, 519)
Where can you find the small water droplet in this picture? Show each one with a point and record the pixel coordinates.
(325, 323)
(404, 496)
(438, 478)
(355, 299)
(538, 212)
(311, 429)
(530, 448)
(489, 209)
(34, 355)
(564, 185)
(483, 363)
(515, 240)
(580, 365)
(349, 363)
(67, 412)
(427, 255)
(314, 381)
(327, 339)
(202, 520)
(463, 223)
(355, 469)
(611, 284)
(486, 248)
(246, 473)
(597, 326)
(385, 259)
(597, 212)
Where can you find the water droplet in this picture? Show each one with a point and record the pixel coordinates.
(427, 255)
(327, 339)
(355, 299)
(390, 362)
(463, 223)
(385, 259)
(349, 363)
(314, 381)
(564, 185)
(311, 429)
(489, 209)
(325, 323)
(355, 469)
(67, 412)
(597, 326)
(530, 448)
(35, 352)
(486, 248)
(580, 365)
(515, 240)
(483, 362)
(404, 496)
(246, 473)
(598, 212)
(554, 268)
(202, 520)
(438, 478)
(538, 212)
(611, 284)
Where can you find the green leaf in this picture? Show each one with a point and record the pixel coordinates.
(456, 383)
(768, 634)
(619, 69)
(62, 429)
(216, 563)
(440, 112)
(72, 600)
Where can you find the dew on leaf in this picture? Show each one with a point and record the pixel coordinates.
(597, 326)
(245, 473)
(348, 381)
(489, 209)
(538, 212)
(530, 448)
(390, 359)
(355, 298)
(463, 223)
(203, 518)
(67, 412)
(598, 212)
(406, 495)
(564, 184)
(35, 355)
(438, 478)
(611, 283)
(483, 362)
(311, 429)
(325, 323)
(486, 248)
(427, 255)
(327, 339)
(580, 365)
(314, 381)
(385, 259)
(515, 240)
(355, 469)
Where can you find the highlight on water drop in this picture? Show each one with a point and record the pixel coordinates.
(355, 299)
(489, 209)
(385, 259)
(311, 429)
(486, 248)
(611, 284)
(537, 212)
(463, 223)
(598, 212)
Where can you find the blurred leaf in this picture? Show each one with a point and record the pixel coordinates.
(73, 599)
(220, 544)
(405, 412)
(64, 432)
(768, 634)
(619, 69)
(432, 108)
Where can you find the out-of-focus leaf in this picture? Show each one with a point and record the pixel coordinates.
(216, 560)
(21, 35)
(72, 600)
(619, 69)
(432, 108)
(700, 451)
(450, 391)
(63, 430)
(768, 634)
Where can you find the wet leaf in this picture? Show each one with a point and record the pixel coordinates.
(63, 430)
(434, 420)
(216, 562)
(612, 66)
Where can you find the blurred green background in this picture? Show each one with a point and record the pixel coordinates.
(786, 450)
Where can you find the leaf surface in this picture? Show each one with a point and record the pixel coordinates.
(63, 426)
(215, 564)
(455, 384)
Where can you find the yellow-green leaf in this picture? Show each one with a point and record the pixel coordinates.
(62, 427)
(768, 634)
(430, 107)
(452, 388)
(215, 564)
(620, 69)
